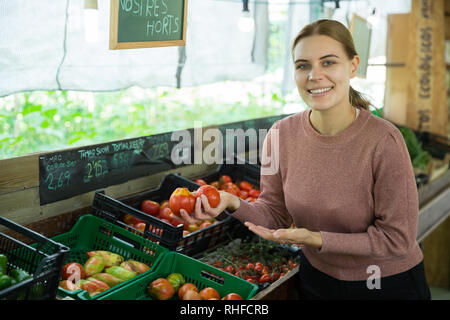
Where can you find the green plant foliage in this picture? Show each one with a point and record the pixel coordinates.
(419, 157)
(50, 120)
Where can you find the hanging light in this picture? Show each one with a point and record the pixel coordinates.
(373, 19)
(91, 20)
(246, 22)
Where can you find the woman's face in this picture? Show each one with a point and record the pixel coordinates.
(323, 72)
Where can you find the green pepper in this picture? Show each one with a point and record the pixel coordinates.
(5, 281)
(19, 275)
(3, 262)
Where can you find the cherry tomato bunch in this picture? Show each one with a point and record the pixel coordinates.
(258, 261)
(243, 189)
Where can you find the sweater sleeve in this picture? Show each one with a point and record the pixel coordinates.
(269, 210)
(396, 207)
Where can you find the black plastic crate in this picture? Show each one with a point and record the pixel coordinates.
(43, 260)
(156, 230)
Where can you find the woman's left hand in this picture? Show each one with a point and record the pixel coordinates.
(300, 236)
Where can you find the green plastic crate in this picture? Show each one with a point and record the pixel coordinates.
(194, 271)
(92, 233)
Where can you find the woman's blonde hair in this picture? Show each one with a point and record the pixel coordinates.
(337, 31)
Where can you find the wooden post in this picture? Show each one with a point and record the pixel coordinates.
(415, 94)
(427, 106)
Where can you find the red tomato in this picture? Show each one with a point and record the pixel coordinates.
(250, 199)
(243, 194)
(211, 193)
(254, 193)
(224, 179)
(73, 271)
(230, 187)
(163, 204)
(264, 278)
(215, 184)
(232, 296)
(150, 207)
(165, 213)
(244, 185)
(209, 293)
(182, 198)
(200, 182)
(161, 289)
(185, 288)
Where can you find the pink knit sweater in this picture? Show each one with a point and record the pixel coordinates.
(357, 188)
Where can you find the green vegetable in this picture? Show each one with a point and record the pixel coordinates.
(5, 281)
(3, 263)
(19, 275)
(419, 157)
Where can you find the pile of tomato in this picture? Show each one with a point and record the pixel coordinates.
(175, 286)
(257, 260)
(181, 198)
(243, 189)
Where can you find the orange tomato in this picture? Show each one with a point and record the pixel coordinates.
(182, 198)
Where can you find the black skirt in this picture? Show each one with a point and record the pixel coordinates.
(316, 285)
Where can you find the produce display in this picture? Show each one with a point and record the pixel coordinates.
(169, 210)
(174, 286)
(102, 271)
(14, 276)
(258, 261)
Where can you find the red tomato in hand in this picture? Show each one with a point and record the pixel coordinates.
(211, 193)
(182, 198)
(161, 289)
(73, 271)
(150, 207)
(232, 296)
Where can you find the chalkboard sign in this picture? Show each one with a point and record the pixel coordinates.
(72, 172)
(361, 32)
(147, 23)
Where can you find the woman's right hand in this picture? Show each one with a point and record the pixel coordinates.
(203, 210)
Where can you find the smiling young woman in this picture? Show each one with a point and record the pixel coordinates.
(345, 180)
